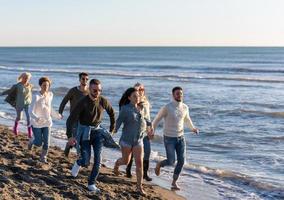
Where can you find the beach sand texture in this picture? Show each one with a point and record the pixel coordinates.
(22, 176)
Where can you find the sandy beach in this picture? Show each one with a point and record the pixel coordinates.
(22, 176)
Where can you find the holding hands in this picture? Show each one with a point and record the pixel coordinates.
(150, 132)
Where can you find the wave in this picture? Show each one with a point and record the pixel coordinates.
(165, 75)
(273, 139)
(272, 114)
(237, 112)
(60, 91)
(5, 115)
(265, 105)
(264, 188)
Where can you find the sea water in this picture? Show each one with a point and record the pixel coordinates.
(235, 96)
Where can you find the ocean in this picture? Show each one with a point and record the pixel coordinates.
(235, 96)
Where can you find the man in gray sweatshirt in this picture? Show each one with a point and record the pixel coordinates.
(175, 114)
(74, 95)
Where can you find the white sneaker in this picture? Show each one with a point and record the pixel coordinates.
(75, 169)
(93, 188)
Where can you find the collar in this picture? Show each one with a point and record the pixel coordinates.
(176, 103)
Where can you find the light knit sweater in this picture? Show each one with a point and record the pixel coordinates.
(41, 111)
(175, 114)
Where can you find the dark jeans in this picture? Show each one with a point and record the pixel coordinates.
(147, 148)
(174, 145)
(41, 136)
(96, 140)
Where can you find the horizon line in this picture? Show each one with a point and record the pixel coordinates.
(141, 46)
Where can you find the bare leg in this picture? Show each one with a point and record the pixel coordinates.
(138, 155)
(124, 160)
(175, 186)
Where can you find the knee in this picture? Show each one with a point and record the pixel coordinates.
(37, 142)
(180, 162)
(125, 161)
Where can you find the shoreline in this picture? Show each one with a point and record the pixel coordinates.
(22, 176)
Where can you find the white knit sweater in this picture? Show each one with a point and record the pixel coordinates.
(175, 114)
(41, 111)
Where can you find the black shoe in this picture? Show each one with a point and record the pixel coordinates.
(67, 150)
(145, 170)
(128, 173)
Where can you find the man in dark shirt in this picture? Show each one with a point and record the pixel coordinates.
(89, 112)
(74, 95)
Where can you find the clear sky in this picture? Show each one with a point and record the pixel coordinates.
(141, 23)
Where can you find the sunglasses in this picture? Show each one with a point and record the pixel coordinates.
(141, 89)
(97, 90)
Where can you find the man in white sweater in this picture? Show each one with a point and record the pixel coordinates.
(175, 114)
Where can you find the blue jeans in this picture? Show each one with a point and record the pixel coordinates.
(96, 140)
(41, 135)
(174, 145)
(20, 111)
(147, 148)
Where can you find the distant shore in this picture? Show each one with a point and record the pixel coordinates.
(22, 176)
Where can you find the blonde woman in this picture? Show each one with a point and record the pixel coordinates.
(41, 117)
(20, 97)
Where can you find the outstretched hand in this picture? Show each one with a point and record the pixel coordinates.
(195, 130)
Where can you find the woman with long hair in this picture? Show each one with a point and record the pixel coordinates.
(20, 97)
(146, 140)
(133, 116)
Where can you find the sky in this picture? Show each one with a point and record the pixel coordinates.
(141, 23)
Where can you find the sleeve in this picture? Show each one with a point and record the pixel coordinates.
(187, 120)
(64, 101)
(147, 111)
(121, 118)
(53, 113)
(9, 91)
(73, 117)
(161, 114)
(110, 111)
(32, 108)
(147, 115)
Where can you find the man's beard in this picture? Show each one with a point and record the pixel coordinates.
(94, 96)
(178, 100)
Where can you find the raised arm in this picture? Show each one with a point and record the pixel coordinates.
(9, 91)
(64, 101)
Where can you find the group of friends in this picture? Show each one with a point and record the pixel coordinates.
(84, 130)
